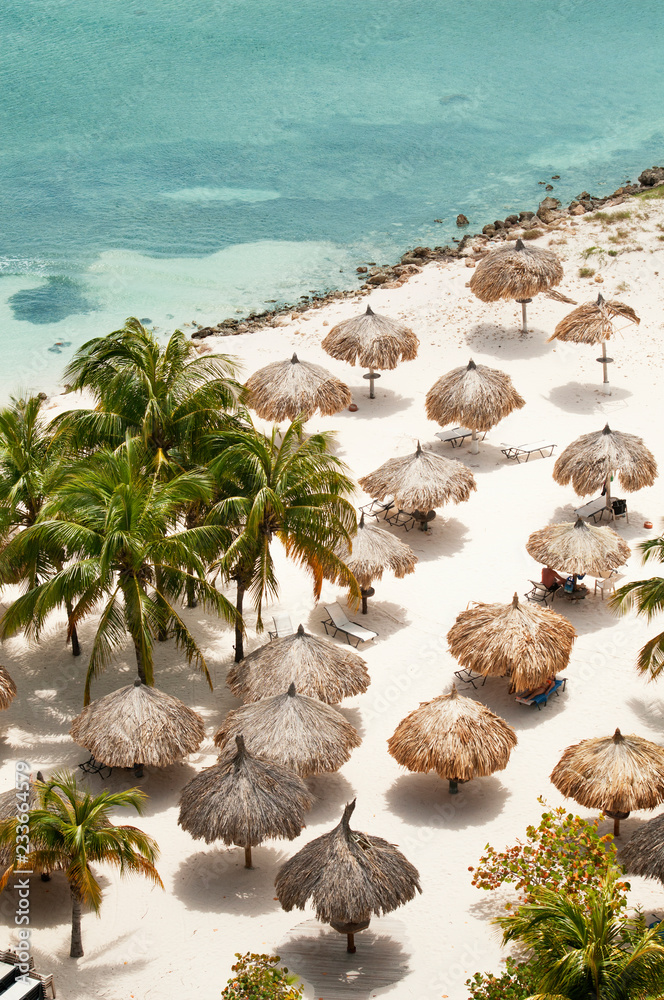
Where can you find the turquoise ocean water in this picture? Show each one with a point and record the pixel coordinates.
(181, 161)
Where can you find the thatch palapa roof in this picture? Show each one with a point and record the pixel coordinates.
(592, 322)
(613, 773)
(643, 854)
(527, 642)
(348, 877)
(285, 389)
(304, 734)
(10, 805)
(244, 799)
(318, 668)
(7, 689)
(591, 460)
(515, 272)
(372, 550)
(371, 341)
(420, 481)
(472, 396)
(138, 725)
(455, 736)
(576, 547)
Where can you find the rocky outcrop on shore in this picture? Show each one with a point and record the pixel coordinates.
(526, 225)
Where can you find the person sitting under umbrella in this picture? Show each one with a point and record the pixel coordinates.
(544, 688)
(552, 580)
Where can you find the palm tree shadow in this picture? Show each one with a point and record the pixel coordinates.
(507, 341)
(161, 785)
(424, 800)
(586, 397)
(50, 902)
(319, 956)
(216, 881)
(650, 712)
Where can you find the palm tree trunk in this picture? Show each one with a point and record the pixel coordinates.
(239, 645)
(191, 594)
(140, 666)
(162, 634)
(76, 950)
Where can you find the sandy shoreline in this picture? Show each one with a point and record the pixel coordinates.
(150, 944)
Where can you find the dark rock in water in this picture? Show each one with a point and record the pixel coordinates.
(54, 301)
(512, 220)
(489, 230)
(55, 349)
(652, 177)
(361, 270)
(205, 331)
(556, 177)
(549, 187)
(549, 210)
(525, 215)
(42, 396)
(461, 220)
(146, 319)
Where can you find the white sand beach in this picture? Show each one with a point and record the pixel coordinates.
(150, 943)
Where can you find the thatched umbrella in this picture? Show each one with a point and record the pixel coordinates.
(285, 389)
(318, 668)
(372, 341)
(349, 877)
(455, 736)
(613, 773)
(527, 642)
(516, 272)
(643, 854)
(371, 551)
(420, 482)
(138, 725)
(304, 734)
(244, 799)
(473, 396)
(10, 805)
(592, 460)
(576, 548)
(7, 689)
(592, 323)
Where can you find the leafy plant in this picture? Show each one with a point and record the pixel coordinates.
(518, 982)
(646, 597)
(586, 272)
(656, 192)
(531, 234)
(564, 852)
(258, 977)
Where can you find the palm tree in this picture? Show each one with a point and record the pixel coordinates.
(70, 831)
(126, 554)
(168, 395)
(586, 948)
(647, 598)
(285, 486)
(30, 467)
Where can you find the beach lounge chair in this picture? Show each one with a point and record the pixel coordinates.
(338, 621)
(91, 766)
(8, 973)
(401, 519)
(539, 593)
(596, 510)
(522, 452)
(20, 990)
(457, 435)
(541, 699)
(376, 508)
(468, 677)
(282, 626)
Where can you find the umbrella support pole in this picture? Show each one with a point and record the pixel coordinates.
(350, 946)
(138, 770)
(616, 828)
(605, 362)
(371, 376)
(366, 592)
(247, 856)
(454, 786)
(474, 443)
(524, 317)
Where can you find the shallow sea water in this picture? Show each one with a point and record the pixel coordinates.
(187, 161)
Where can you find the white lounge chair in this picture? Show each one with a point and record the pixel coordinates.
(282, 626)
(457, 435)
(524, 451)
(339, 622)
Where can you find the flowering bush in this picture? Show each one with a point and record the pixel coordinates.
(563, 852)
(256, 977)
(516, 983)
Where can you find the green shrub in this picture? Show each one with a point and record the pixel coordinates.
(516, 983)
(531, 234)
(656, 192)
(256, 977)
(586, 272)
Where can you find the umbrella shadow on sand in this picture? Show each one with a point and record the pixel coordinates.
(507, 342)
(386, 403)
(216, 881)
(383, 617)
(446, 537)
(330, 793)
(423, 800)
(584, 397)
(161, 785)
(318, 954)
